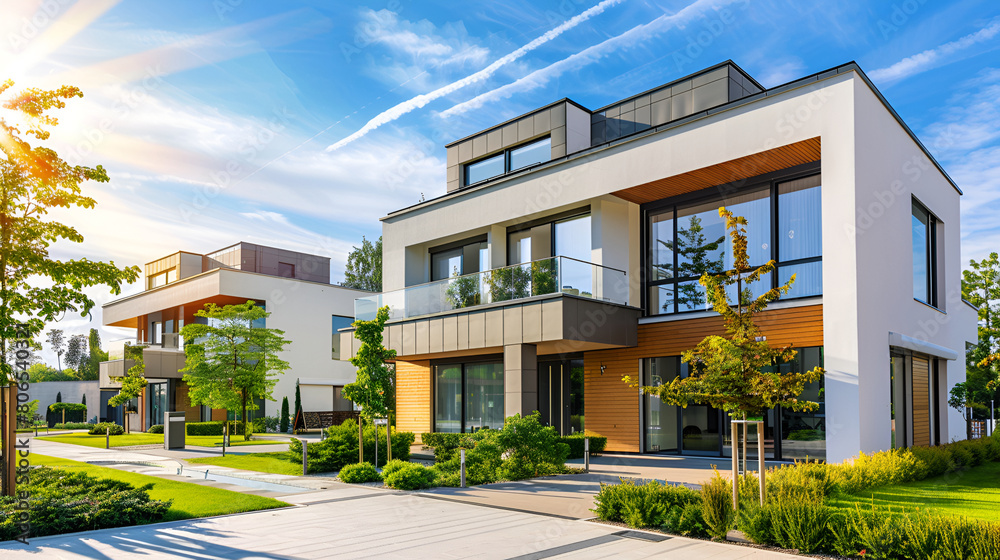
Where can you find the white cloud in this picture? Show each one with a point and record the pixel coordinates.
(541, 77)
(422, 100)
(932, 58)
(780, 73)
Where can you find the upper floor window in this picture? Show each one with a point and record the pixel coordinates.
(457, 259)
(339, 322)
(512, 159)
(685, 241)
(924, 226)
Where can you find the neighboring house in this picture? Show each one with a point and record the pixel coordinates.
(293, 287)
(567, 250)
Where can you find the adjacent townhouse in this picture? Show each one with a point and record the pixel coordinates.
(566, 251)
(293, 287)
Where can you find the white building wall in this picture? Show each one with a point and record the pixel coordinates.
(303, 310)
(891, 168)
(71, 391)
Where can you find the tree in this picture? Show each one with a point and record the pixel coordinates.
(981, 287)
(364, 266)
(33, 359)
(91, 369)
(83, 399)
(229, 361)
(374, 388)
(298, 399)
(132, 383)
(283, 421)
(57, 340)
(76, 352)
(736, 372)
(34, 180)
(58, 396)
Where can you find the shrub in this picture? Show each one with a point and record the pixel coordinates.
(65, 503)
(754, 521)
(575, 443)
(529, 447)
(103, 427)
(409, 476)
(340, 447)
(213, 428)
(686, 520)
(799, 524)
(75, 412)
(717, 506)
(356, 473)
(616, 502)
(937, 460)
(283, 419)
(74, 426)
(445, 445)
(155, 429)
(269, 424)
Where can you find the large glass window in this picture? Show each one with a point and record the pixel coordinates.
(468, 397)
(923, 225)
(513, 159)
(661, 418)
(339, 322)
(446, 264)
(803, 434)
(688, 240)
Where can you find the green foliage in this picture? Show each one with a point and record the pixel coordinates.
(981, 287)
(155, 429)
(735, 373)
(213, 428)
(298, 399)
(134, 380)
(696, 259)
(408, 476)
(65, 503)
(283, 420)
(68, 407)
(686, 520)
(807, 435)
(374, 389)
(357, 473)
(76, 351)
(74, 426)
(575, 443)
(650, 505)
(34, 182)
(444, 444)
(40, 373)
(340, 447)
(101, 428)
(364, 266)
(90, 370)
(717, 506)
(463, 291)
(229, 362)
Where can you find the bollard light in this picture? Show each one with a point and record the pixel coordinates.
(107, 438)
(462, 454)
(305, 457)
(586, 455)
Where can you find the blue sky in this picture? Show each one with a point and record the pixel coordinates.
(216, 119)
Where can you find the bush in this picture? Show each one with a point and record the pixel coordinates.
(64, 503)
(575, 443)
(686, 520)
(356, 473)
(102, 428)
(622, 502)
(340, 447)
(283, 419)
(75, 412)
(717, 506)
(155, 429)
(445, 445)
(213, 428)
(408, 476)
(799, 524)
(74, 426)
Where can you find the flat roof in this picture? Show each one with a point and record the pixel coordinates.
(792, 85)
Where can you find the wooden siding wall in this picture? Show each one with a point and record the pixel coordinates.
(413, 397)
(182, 402)
(921, 402)
(612, 408)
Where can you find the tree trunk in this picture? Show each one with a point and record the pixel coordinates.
(246, 432)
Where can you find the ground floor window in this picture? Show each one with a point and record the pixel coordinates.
(157, 402)
(915, 399)
(468, 397)
(704, 430)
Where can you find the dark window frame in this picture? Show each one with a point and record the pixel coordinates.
(932, 253)
(550, 221)
(505, 153)
(769, 181)
(461, 364)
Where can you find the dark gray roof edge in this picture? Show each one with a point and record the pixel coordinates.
(794, 84)
(519, 117)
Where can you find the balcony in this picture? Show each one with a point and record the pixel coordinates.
(543, 277)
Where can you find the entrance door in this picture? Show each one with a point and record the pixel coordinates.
(560, 395)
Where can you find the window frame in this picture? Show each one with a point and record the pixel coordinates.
(769, 181)
(461, 364)
(930, 229)
(506, 155)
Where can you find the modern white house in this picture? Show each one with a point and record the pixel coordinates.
(565, 251)
(293, 287)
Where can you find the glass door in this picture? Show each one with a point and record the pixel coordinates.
(660, 417)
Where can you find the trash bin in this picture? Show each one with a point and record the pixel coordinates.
(173, 430)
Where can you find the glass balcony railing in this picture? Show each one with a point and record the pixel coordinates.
(546, 276)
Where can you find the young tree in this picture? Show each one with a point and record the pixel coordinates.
(57, 341)
(736, 372)
(298, 399)
(283, 421)
(364, 266)
(230, 362)
(34, 180)
(374, 390)
(76, 352)
(58, 396)
(133, 382)
(981, 287)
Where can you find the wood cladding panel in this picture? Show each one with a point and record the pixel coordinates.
(612, 407)
(921, 402)
(413, 397)
(775, 159)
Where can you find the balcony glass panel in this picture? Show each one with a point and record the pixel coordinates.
(536, 278)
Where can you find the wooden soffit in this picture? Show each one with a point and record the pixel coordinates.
(775, 159)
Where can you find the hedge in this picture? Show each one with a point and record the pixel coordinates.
(575, 443)
(74, 426)
(102, 428)
(65, 503)
(213, 428)
(155, 429)
(75, 412)
(445, 444)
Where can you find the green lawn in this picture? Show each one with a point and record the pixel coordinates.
(974, 493)
(189, 500)
(127, 440)
(275, 463)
